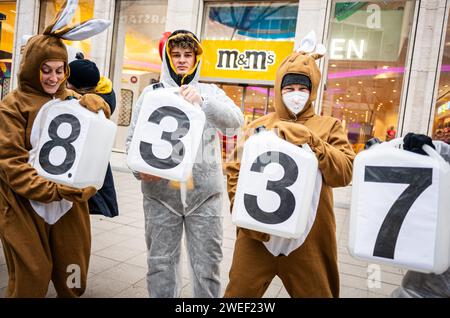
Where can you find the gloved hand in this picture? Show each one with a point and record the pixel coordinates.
(95, 103)
(76, 195)
(414, 142)
(293, 132)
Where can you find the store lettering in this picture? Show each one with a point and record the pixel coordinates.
(143, 19)
(339, 47)
(248, 60)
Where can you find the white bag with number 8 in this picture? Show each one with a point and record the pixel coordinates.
(167, 136)
(400, 211)
(72, 145)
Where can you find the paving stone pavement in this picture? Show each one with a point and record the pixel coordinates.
(118, 262)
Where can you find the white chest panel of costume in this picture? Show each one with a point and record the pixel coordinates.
(275, 186)
(167, 136)
(74, 145)
(400, 210)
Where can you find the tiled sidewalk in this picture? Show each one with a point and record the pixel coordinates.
(118, 262)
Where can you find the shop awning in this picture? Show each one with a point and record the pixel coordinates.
(344, 10)
(262, 22)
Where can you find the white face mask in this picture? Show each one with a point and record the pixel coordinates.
(295, 101)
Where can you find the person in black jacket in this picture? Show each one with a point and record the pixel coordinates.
(85, 78)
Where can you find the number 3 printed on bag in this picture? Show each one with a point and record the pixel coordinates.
(173, 139)
(280, 187)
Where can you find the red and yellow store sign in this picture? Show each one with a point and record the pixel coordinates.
(243, 60)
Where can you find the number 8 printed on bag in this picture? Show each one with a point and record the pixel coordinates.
(65, 143)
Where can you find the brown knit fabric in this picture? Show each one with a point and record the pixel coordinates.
(36, 251)
(311, 270)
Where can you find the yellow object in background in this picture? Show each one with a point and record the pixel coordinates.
(176, 185)
(241, 59)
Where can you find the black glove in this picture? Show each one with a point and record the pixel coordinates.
(414, 142)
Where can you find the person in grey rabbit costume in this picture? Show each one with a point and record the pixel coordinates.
(201, 215)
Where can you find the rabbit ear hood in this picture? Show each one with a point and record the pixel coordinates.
(49, 46)
(300, 62)
(39, 49)
(60, 27)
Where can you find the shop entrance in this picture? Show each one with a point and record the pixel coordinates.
(254, 101)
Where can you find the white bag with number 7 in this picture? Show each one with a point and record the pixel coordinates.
(400, 210)
(167, 136)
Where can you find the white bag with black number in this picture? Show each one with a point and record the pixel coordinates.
(275, 186)
(73, 144)
(400, 211)
(167, 136)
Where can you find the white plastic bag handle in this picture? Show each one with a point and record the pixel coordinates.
(394, 143)
(176, 90)
(434, 154)
(398, 142)
(306, 147)
(101, 115)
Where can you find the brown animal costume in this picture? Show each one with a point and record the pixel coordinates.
(311, 269)
(35, 251)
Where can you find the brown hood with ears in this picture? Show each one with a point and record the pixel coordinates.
(41, 48)
(297, 63)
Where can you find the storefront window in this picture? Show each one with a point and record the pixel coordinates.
(246, 42)
(243, 44)
(136, 62)
(84, 11)
(7, 19)
(367, 50)
(441, 124)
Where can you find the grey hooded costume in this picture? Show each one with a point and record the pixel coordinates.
(202, 217)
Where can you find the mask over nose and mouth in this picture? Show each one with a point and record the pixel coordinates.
(295, 101)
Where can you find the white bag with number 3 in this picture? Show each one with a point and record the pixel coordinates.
(167, 136)
(275, 187)
(72, 145)
(400, 211)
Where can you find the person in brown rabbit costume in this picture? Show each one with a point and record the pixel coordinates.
(306, 266)
(36, 251)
